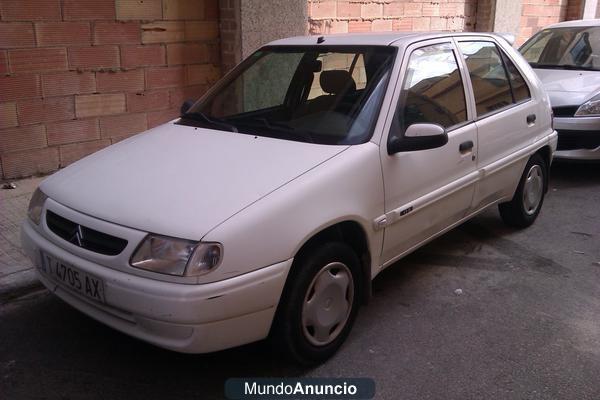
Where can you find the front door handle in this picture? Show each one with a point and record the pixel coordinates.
(531, 119)
(465, 146)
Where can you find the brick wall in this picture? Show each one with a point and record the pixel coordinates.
(231, 46)
(78, 75)
(338, 16)
(537, 14)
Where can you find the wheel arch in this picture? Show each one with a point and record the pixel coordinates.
(354, 235)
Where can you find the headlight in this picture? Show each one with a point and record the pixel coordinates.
(180, 257)
(35, 206)
(590, 107)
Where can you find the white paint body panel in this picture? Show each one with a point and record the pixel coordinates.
(263, 199)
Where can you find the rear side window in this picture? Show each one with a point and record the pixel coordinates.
(519, 86)
(433, 90)
(490, 82)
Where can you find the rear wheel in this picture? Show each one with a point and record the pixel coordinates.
(320, 303)
(527, 202)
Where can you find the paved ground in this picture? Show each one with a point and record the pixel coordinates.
(16, 271)
(527, 325)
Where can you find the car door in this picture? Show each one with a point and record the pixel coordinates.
(506, 118)
(427, 191)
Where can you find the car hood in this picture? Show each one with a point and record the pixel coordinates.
(569, 87)
(181, 181)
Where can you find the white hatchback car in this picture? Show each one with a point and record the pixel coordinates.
(274, 200)
(566, 58)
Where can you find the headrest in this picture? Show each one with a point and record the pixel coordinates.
(336, 81)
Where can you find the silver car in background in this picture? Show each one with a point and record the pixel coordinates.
(566, 58)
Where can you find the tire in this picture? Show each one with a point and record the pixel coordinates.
(328, 278)
(527, 202)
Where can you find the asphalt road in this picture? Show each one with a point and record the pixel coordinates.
(526, 326)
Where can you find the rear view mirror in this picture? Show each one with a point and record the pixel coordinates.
(186, 106)
(419, 137)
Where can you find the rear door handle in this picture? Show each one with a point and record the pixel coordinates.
(465, 146)
(531, 119)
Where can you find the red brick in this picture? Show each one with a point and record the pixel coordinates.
(346, 9)
(179, 95)
(211, 10)
(182, 9)
(163, 32)
(97, 57)
(62, 33)
(122, 125)
(325, 9)
(80, 130)
(395, 9)
(19, 87)
(145, 101)
(30, 162)
(139, 9)
(45, 110)
(117, 33)
(371, 10)
(143, 56)
(359, 26)
(165, 77)
(30, 10)
(37, 60)
(415, 9)
(99, 104)
(122, 81)
(16, 34)
(202, 74)
(72, 152)
(160, 117)
(22, 138)
(380, 25)
(88, 9)
(422, 24)
(201, 30)
(66, 83)
(181, 53)
(8, 115)
(403, 24)
(3, 63)
(431, 10)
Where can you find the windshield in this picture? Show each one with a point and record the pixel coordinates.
(317, 94)
(564, 48)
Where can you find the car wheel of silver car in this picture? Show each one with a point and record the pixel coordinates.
(319, 304)
(527, 202)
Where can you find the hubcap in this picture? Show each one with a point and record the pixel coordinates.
(327, 304)
(533, 189)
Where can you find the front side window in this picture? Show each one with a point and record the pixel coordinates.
(564, 48)
(489, 79)
(433, 90)
(319, 94)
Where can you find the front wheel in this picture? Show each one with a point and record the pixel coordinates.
(527, 202)
(320, 303)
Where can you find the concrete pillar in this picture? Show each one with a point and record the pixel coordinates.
(248, 24)
(590, 9)
(506, 16)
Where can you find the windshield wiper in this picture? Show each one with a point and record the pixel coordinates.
(562, 66)
(199, 116)
(280, 127)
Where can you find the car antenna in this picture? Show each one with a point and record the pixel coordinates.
(320, 39)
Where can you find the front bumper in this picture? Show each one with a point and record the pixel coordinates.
(188, 318)
(578, 138)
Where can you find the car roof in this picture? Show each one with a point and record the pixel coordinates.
(575, 24)
(372, 38)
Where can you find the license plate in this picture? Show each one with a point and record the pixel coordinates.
(73, 278)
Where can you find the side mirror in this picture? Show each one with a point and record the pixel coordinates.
(186, 106)
(417, 137)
